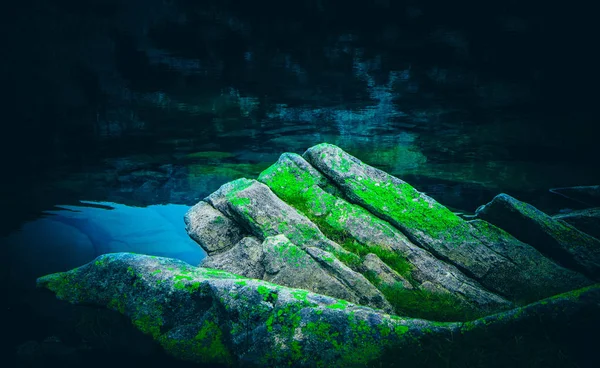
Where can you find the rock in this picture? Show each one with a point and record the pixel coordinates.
(257, 208)
(367, 293)
(244, 258)
(287, 264)
(430, 225)
(553, 237)
(280, 261)
(382, 274)
(211, 229)
(210, 316)
(540, 276)
(588, 195)
(587, 220)
(298, 183)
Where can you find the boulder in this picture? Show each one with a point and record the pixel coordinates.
(553, 237)
(255, 207)
(435, 228)
(298, 183)
(215, 317)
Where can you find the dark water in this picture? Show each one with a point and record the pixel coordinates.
(145, 107)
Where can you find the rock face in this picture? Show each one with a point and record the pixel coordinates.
(210, 316)
(553, 237)
(369, 238)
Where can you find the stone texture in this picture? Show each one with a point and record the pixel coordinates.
(297, 182)
(245, 258)
(209, 316)
(257, 208)
(428, 224)
(383, 273)
(210, 228)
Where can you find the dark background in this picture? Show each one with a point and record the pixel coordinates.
(505, 89)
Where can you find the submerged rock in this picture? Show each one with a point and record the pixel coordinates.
(210, 316)
(588, 195)
(553, 237)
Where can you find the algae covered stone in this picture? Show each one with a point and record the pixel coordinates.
(211, 316)
(298, 183)
(430, 225)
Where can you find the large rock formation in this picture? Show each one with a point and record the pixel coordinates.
(210, 316)
(307, 265)
(357, 228)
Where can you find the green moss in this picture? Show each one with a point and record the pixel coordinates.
(149, 324)
(300, 295)
(291, 255)
(239, 201)
(426, 304)
(217, 274)
(207, 346)
(339, 304)
(118, 303)
(362, 346)
(284, 322)
(408, 209)
(211, 346)
(303, 191)
(268, 294)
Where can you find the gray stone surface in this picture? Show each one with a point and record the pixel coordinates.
(294, 180)
(209, 316)
(245, 258)
(211, 229)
